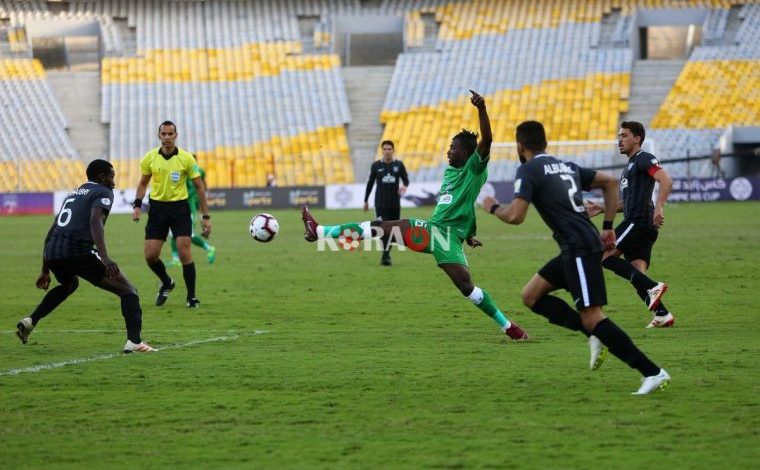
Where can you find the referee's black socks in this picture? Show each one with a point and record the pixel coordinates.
(620, 344)
(160, 270)
(188, 272)
(130, 309)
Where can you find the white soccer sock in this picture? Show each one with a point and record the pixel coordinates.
(320, 231)
(476, 296)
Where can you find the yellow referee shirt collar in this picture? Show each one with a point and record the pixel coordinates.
(168, 156)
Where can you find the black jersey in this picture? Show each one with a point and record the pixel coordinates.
(71, 236)
(554, 187)
(387, 176)
(637, 184)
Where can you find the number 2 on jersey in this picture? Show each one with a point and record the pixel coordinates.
(571, 193)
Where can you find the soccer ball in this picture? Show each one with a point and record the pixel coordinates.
(263, 227)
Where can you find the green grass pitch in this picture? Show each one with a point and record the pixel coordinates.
(369, 366)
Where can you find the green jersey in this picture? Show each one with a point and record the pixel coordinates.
(456, 202)
(192, 194)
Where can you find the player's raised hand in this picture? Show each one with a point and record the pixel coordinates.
(474, 242)
(136, 214)
(477, 100)
(43, 280)
(608, 240)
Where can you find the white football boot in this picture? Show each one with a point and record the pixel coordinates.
(598, 352)
(131, 347)
(653, 382)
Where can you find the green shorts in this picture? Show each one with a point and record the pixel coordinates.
(425, 237)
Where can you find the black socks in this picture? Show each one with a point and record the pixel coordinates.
(558, 312)
(188, 272)
(52, 299)
(160, 270)
(620, 344)
(130, 309)
(627, 271)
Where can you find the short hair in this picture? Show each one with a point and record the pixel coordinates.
(469, 139)
(636, 128)
(387, 142)
(532, 135)
(167, 123)
(98, 167)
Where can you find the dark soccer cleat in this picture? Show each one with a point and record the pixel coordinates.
(163, 293)
(193, 303)
(516, 333)
(24, 328)
(386, 260)
(309, 224)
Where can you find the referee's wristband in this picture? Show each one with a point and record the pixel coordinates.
(206, 217)
(137, 203)
(607, 225)
(494, 207)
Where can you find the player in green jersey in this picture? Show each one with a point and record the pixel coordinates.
(452, 222)
(197, 240)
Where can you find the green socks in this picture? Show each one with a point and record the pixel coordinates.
(485, 303)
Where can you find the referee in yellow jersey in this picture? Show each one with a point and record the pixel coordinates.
(169, 166)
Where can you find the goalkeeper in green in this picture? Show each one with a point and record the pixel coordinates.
(195, 206)
(452, 222)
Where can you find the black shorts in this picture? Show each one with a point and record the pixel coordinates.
(385, 214)
(87, 267)
(162, 216)
(635, 241)
(582, 276)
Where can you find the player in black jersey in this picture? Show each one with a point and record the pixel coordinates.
(388, 172)
(642, 220)
(69, 254)
(555, 188)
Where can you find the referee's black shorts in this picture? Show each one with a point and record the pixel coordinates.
(385, 213)
(582, 276)
(162, 216)
(635, 241)
(86, 266)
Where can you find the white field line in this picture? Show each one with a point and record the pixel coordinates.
(145, 331)
(102, 357)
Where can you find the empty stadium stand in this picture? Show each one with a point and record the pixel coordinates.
(254, 91)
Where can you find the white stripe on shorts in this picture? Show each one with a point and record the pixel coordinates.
(624, 234)
(582, 279)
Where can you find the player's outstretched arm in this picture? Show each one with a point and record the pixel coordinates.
(666, 184)
(97, 229)
(513, 214)
(609, 188)
(484, 146)
(142, 187)
(206, 220)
